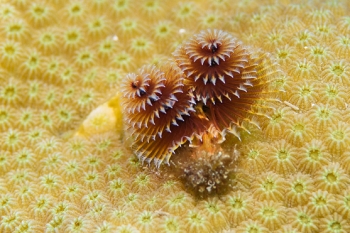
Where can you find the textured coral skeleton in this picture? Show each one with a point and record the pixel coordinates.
(65, 165)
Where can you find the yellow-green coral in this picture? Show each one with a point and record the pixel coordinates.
(65, 165)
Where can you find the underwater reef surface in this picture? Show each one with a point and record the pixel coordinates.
(65, 159)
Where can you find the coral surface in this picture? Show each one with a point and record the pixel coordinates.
(65, 162)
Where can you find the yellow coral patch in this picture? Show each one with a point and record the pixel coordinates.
(105, 118)
(60, 68)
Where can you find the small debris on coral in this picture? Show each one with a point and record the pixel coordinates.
(208, 176)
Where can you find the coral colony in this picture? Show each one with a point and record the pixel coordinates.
(61, 66)
(213, 86)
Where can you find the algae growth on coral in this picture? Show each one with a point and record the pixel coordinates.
(62, 60)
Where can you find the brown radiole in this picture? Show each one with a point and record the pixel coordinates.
(214, 84)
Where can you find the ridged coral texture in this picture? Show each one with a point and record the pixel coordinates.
(65, 160)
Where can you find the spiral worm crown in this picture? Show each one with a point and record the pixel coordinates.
(141, 90)
(167, 106)
(158, 111)
(173, 104)
(216, 65)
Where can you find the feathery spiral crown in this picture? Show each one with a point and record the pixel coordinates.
(216, 64)
(157, 104)
(167, 106)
